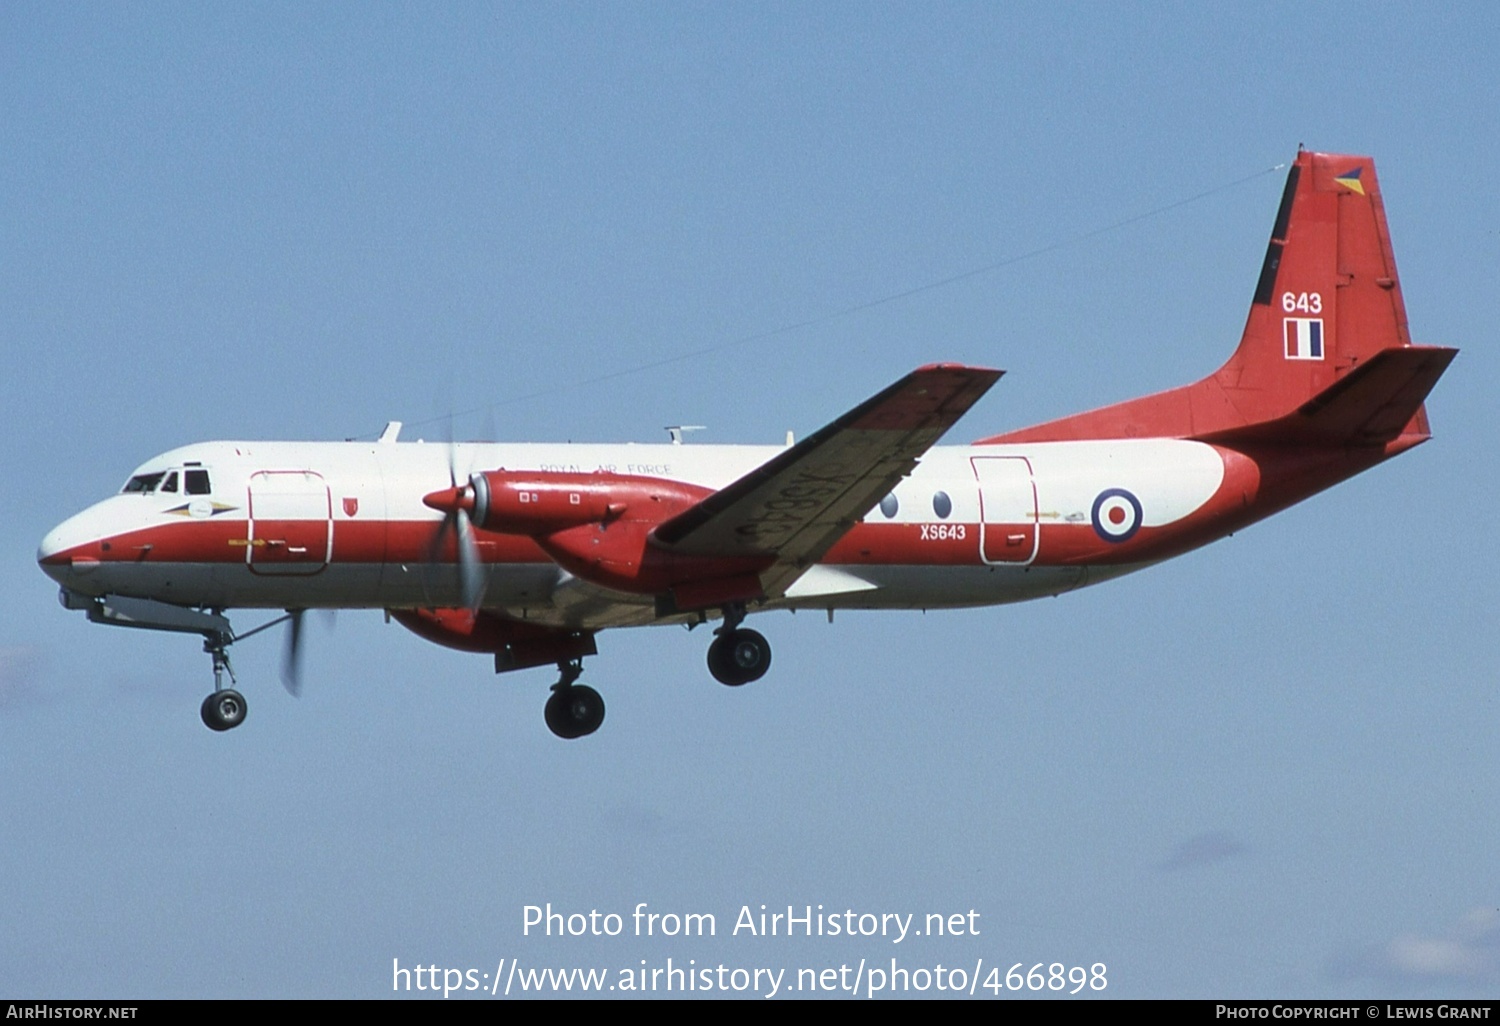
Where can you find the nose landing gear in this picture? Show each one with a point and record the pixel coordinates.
(224, 709)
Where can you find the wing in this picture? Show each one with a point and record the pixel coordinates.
(798, 504)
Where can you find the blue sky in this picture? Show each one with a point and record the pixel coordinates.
(1266, 769)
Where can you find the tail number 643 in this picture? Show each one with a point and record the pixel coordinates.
(1302, 302)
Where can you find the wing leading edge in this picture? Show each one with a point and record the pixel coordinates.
(797, 505)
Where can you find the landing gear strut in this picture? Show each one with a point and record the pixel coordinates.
(738, 655)
(574, 710)
(225, 708)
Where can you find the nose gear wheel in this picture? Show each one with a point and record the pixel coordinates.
(223, 710)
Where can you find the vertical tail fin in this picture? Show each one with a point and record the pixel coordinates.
(1327, 301)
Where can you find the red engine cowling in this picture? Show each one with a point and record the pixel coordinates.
(598, 527)
(545, 502)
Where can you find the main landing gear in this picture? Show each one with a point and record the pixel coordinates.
(738, 655)
(574, 710)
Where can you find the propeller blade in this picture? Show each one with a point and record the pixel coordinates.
(452, 456)
(470, 569)
(456, 502)
(291, 662)
(435, 547)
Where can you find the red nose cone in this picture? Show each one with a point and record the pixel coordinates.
(449, 500)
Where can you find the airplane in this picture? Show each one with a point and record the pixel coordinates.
(526, 552)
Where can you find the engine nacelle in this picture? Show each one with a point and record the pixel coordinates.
(515, 643)
(598, 527)
(542, 502)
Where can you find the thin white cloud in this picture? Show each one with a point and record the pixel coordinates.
(1469, 950)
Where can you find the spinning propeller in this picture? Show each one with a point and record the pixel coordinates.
(456, 503)
(291, 656)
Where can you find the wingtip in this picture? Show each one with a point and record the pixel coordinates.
(929, 368)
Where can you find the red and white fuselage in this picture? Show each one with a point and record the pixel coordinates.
(343, 525)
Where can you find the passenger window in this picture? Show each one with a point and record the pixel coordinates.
(170, 484)
(196, 482)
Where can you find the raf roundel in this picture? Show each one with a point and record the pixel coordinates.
(1117, 515)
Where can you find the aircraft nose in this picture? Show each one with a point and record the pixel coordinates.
(53, 543)
(49, 554)
(58, 554)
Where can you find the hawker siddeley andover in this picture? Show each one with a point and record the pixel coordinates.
(528, 551)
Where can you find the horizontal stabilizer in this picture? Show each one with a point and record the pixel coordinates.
(1369, 406)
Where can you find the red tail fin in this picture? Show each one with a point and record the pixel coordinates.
(1326, 303)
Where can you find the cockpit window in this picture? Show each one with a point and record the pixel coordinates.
(145, 484)
(196, 482)
(170, 484)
